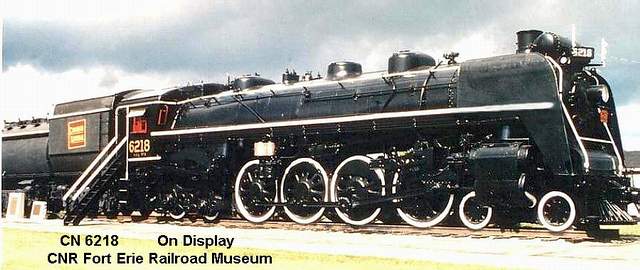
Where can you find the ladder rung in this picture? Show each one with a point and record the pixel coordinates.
(595, 140)
(93, 188)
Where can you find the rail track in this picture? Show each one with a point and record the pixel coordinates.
(525, 233)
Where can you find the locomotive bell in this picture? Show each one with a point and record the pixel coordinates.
(408, 60)
(343, 70)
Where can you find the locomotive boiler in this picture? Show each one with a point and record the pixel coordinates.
(527, 137)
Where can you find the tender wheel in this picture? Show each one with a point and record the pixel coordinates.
(472, 214)
(355, 182)
(210, 217)
(423, 211)
(176, 202)
(208, 208)
(304, 181)
(177, 212)
(251, 193)
(556, 211)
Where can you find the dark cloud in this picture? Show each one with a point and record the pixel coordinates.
(218, 38)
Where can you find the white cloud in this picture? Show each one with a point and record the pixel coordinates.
(91, 10)
(374, 53)
(29, 92)
(628, 116)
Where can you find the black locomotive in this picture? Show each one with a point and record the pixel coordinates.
(527, 137)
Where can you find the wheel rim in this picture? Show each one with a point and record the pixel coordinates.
(177, 212)
(210, 217)
(250, 191)
(176, 209)
(423, 211)
(304, 181)
(556, 211)
(354, 180)
(209, 210)
(473, 215)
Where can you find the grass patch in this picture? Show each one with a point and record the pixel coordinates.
(625, 230)
(25, 249)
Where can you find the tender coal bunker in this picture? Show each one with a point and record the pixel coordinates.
(408, 60)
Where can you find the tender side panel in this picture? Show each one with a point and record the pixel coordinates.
(24, 157)
(78, 132)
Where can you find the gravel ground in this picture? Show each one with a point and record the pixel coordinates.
(538, 253)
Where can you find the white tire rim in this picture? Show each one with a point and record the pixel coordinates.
(325, 179)
(178, 216)
(210, 218)
(334, 195)
(572, 211)
(464, 218)
(238, 200)
(416, 222)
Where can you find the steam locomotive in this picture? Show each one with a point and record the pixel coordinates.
(527, 137)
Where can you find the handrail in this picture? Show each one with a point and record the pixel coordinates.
(585, 154)
(88, 169)
(615, 150)
(95, 172)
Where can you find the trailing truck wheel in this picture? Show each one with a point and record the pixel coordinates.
(304, 181)
(250, 192)
(473, 215)
(425, 210)
(353, 183)
(556, 211)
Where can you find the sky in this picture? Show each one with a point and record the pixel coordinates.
(56, 51)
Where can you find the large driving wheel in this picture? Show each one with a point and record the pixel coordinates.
(424, 210)
(252, 194)
(472, 214)
(556, 211)
(353, 184)
(304, 182)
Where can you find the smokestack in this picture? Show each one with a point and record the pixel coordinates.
(526, 38)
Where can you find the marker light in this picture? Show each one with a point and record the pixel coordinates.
(604, 115)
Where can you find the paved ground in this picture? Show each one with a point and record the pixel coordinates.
(509, 253)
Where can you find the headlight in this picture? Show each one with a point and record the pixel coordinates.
(604, 93)
(599, 93)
